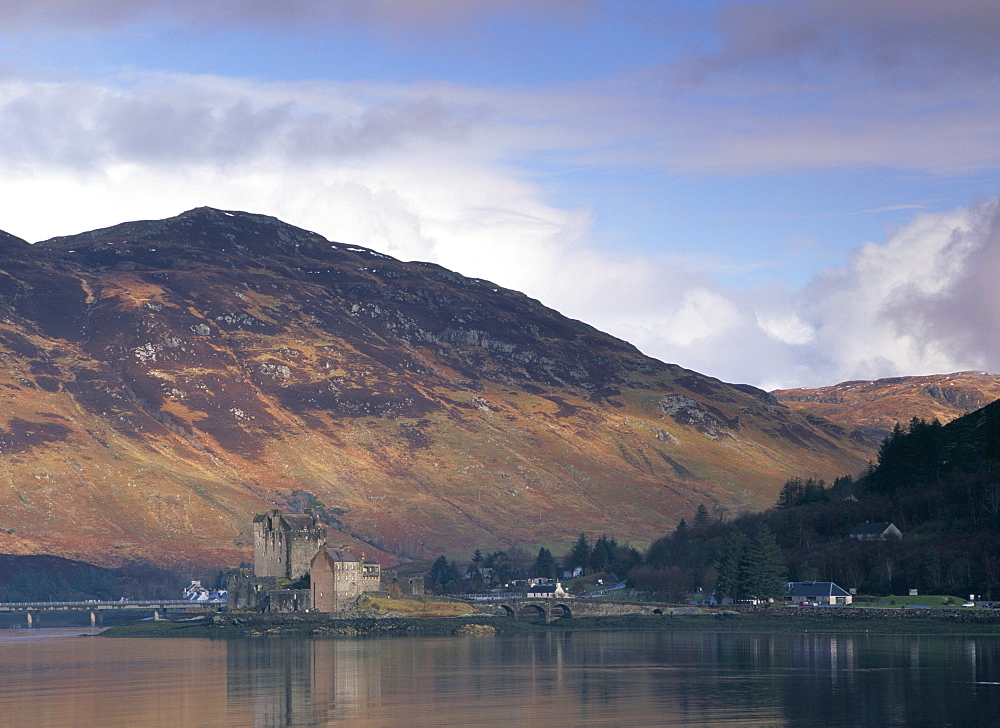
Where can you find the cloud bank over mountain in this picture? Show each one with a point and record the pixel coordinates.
(923, 301)
(673, 198)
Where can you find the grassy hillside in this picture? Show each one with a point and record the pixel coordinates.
(940, 485)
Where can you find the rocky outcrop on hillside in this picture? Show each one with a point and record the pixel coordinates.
(876, 406)
(165, 380)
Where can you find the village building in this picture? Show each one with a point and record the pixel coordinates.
(195, 592)
(880, 531)
(817, 592)
(546, 591)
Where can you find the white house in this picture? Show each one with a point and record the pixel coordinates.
(882, 531)
(547, 591)
(821, 592)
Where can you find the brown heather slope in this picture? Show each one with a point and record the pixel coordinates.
(162, 381)
(876, 406)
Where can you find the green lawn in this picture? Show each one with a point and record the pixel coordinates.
(933, 600)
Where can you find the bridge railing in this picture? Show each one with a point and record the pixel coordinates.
(95, 604)
(617, 590)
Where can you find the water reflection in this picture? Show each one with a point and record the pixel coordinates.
(584, 679)
(290, 682)
(588, 679)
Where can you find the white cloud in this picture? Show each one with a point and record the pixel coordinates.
(172, 120)
(428, 172)
(703, 314)
(787, 328)
(923, 301)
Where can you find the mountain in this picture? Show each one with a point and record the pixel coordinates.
(876, 406)
(165, 380)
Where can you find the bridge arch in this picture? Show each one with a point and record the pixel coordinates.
(574, 608)
(561, 610)
(532, 608)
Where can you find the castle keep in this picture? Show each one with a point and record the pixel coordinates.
(285, 543)
(293, 570)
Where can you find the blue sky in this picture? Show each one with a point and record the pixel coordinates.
(779, 192)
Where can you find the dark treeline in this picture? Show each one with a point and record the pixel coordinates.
(500, 568)
(50, 578)
(740, 566)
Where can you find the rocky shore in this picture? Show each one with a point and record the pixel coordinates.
(783, 620)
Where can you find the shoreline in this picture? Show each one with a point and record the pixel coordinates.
(826, 621)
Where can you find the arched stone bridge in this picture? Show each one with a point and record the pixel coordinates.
(554, 608)
(32, 610)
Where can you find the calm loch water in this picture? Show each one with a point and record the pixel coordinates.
(565, 679)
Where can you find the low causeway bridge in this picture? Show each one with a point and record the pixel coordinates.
(552, 608)
(156, 606)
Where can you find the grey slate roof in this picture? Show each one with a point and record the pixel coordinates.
(298, 521)
(871, 529)
(542, 589)
(291, 521)
(813, 589)
(341, 554)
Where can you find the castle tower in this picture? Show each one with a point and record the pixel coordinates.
(285, 543)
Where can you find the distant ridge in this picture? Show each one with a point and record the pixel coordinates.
(875, 406)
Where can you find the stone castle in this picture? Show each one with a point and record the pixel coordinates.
(285, 543)
(294, 570)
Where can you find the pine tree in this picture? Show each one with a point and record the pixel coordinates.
(545, 564)
(443, 574)
(790, 493)
(603, 553)
(497, 560)
(625, 559)
(579, 555)
(660, 552)
(728, 580)
(439, 571)
(888, 473)
(933, 570)
(762, 567)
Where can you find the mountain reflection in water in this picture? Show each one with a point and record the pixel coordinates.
(578, 679)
